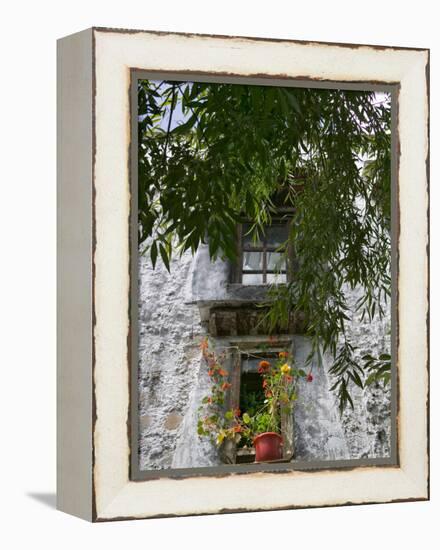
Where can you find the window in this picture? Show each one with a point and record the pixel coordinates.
(247, 394)
(251, 399)
(262, 261)
(251, 389)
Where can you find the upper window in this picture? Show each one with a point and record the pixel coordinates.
(262, 261)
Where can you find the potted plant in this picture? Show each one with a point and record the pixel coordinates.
(266, 439)
(279, 382)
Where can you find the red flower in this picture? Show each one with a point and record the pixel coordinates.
(223, 372)
(210, 372)
(288, 378)
(264, 383)
(225, 386)
(263, 366)
(309, 377)
(268, 393)
(237, 412)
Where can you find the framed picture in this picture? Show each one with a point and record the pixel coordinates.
(243, 274)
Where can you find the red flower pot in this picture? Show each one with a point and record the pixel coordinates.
(268, 446)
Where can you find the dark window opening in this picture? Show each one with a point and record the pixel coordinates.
(251, 398)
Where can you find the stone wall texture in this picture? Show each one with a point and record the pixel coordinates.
(173, 379)
(368, 428)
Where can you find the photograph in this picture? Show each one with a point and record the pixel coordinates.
(263, 274)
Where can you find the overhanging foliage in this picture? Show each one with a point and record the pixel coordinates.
(213, 154)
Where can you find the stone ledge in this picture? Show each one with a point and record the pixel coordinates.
(246, 320)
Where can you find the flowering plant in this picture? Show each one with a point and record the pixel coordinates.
(214, 422)
(279, 381)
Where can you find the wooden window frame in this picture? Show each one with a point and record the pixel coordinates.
(237, 272)
(287, 424)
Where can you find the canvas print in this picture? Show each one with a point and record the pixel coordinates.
(263, 266)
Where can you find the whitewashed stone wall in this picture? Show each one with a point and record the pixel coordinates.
(368, 429)
(173, 379)
(169, 358)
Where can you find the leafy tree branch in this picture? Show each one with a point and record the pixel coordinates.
(235, 153)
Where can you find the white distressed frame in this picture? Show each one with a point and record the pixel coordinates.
(111, 493)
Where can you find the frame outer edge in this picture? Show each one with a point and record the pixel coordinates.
(428, 257)
(117, 517)
(74, 274)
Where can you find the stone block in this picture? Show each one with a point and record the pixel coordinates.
(173, 421)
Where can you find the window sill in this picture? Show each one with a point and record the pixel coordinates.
(251, 293)
(247, 456)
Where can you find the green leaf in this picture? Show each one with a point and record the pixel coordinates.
(356, 378)
(371, 378)
(164, 256)
(185, 127)
(153, 253)
(293, 101)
